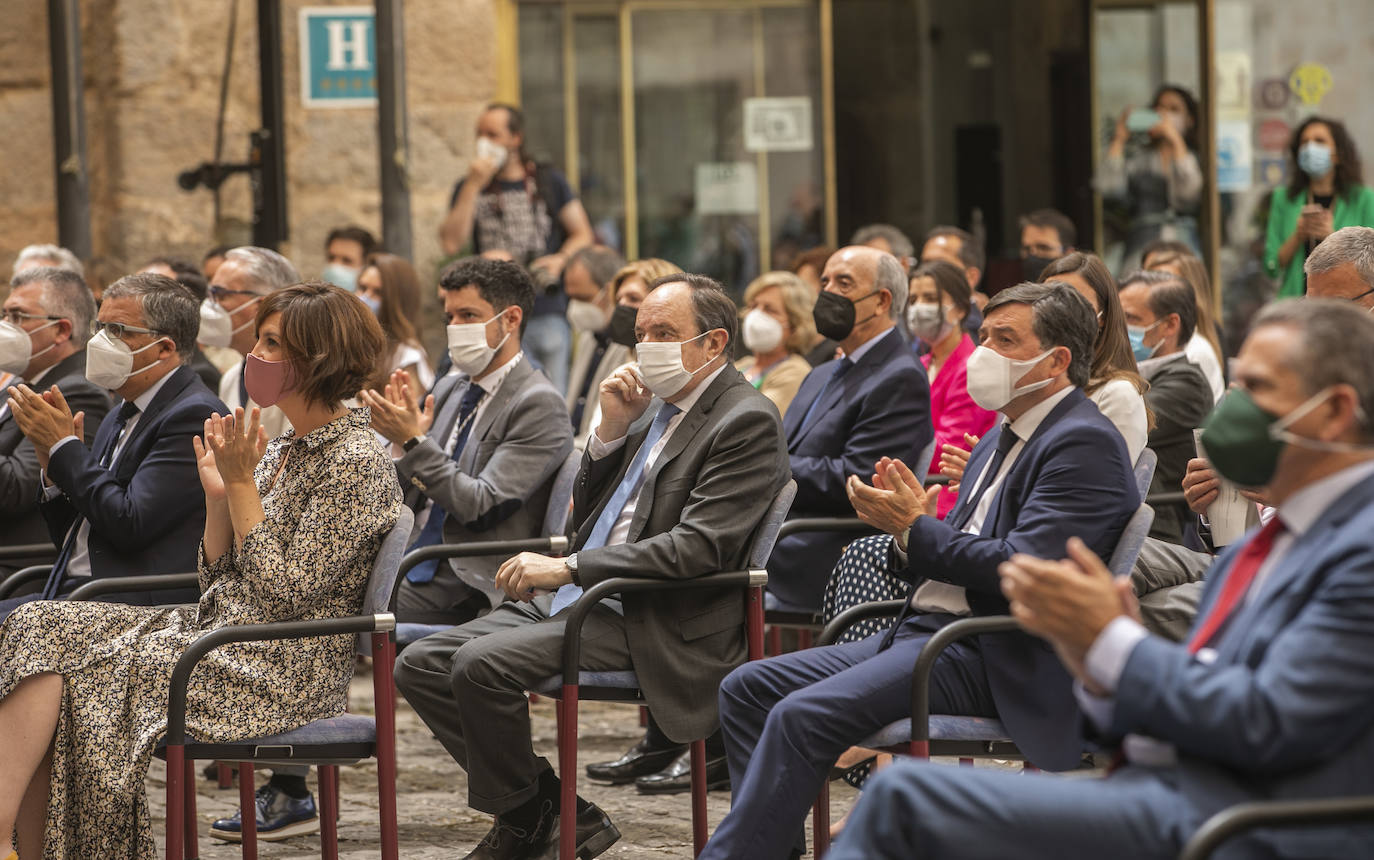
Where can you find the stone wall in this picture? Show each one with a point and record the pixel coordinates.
(152, 72)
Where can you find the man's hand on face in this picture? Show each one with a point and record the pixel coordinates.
(623, 399)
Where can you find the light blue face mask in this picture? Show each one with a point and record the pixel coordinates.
(1137, 335)
(373, 303)
(1315, 159)
(340, 276)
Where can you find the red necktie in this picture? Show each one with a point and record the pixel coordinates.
(1243, 571)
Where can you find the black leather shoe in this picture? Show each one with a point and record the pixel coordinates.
(595, 833)
(505, 842)
(639, 760)
(676, 778)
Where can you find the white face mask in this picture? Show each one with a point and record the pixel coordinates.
(926, 321)
(762, 333)
(468, 347)
(992, 377)
(16, 349)
(110, 362)
(493, 152)
(587, 316)
(661, 367)
(216, 326)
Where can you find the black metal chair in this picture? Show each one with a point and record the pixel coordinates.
(1237, 819)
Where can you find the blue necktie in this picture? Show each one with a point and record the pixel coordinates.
(601, 532)
(433, 532)
(841, 368)
(59, 567)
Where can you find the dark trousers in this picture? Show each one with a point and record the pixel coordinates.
(922, 810)
(787, 719)
(468, 684)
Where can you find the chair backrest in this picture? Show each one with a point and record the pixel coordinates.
(560, 497)
(922, 466)
(767, 533)
(1145, 470)
(382, 582)
(1132, 539)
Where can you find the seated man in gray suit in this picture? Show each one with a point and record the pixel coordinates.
(682, 468)
(481, 456)
(46, 323)
(1268, 699)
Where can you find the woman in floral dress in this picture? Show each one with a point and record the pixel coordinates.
(292, 529)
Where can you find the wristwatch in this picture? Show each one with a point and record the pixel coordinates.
(410, 443)
(571, 564)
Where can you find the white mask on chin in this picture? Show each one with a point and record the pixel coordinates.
(468, 347)
(661, 367)
(992, 377)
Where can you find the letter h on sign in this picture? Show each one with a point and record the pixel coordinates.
(338, 44)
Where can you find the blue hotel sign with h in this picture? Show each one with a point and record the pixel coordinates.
(338, 56)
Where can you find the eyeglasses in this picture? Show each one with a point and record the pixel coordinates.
(1355, 299)
(17, 317)
(119, 330)
(218, 293)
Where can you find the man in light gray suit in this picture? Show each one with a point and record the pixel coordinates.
(683, 467)
(480, 457)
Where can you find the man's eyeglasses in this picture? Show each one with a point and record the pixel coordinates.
(218, 293)
(17, 317)
(119, 330)
(1361, 295)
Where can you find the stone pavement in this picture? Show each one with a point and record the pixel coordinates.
(434, 819)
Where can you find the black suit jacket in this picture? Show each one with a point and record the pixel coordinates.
(20, 521)
(147, 512)
(1180, 397)
(880, 408)
(697, 512)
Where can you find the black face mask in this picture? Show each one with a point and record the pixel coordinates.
(834, 314)
(622, 327)
(1032, 267)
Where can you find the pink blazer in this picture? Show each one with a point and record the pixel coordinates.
(952, 410)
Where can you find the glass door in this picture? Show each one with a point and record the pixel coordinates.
(700, 132)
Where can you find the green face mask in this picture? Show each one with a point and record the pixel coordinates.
(1244, 442)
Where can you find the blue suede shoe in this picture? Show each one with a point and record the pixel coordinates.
(279, 817)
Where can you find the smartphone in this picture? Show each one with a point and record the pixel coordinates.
(1141, 119)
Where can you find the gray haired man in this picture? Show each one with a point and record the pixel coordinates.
(1342, 267)
(226, 319)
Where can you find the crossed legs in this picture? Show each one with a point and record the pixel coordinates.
(28, 721)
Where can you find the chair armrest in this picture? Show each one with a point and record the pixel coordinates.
(851, 525)
(28, 550)
(577, 613)
(23, 576)
(181, 673)
(1281, 813)
(925, 662)
(854, 614)
(555, 545)
(119, 584)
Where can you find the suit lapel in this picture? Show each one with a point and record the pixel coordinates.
(978, 458)
(166, 396)
(513, 382)
(448, 410)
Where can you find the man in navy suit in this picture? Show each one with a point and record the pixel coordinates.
(130, 504)
(873, 402)
(1268, 698)
(46, 323)
(1055, 468)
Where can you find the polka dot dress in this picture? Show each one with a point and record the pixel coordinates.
(861, 576)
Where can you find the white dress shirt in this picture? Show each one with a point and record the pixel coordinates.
(934, 596)
(1106, 659)
(491, 383)
(598, 449)
(79, 564)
